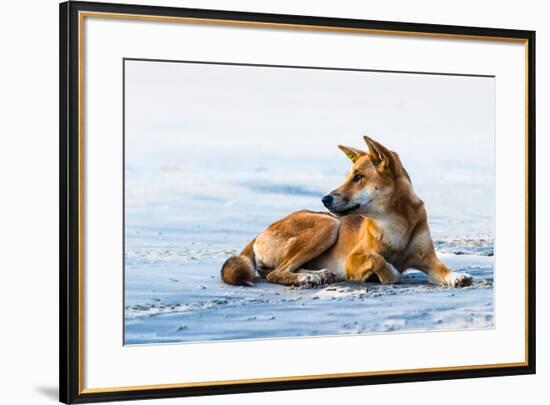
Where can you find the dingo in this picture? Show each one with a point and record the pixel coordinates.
(377, 229)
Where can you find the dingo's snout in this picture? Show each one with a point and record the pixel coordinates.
(338, 205)
(327, 201)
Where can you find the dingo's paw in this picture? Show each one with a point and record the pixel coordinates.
(458, 280)
(316, 278)
(393, 276)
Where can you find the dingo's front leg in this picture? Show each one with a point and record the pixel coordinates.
(422, 256)
(361, 265)
(439, 273)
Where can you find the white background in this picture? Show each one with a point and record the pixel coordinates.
(28, 164)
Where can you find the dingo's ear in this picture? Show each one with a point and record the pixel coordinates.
(380, 156)
(352, 153)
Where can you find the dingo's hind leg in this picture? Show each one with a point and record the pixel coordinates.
(285, 246)
(322, 276)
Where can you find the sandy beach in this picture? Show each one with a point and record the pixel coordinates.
(214, 154)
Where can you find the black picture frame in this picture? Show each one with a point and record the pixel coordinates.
(70, 364)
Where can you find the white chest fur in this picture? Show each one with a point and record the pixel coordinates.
(393, 233)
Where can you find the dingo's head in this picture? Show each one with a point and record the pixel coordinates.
(371, 185)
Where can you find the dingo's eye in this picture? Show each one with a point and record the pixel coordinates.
(357, 177)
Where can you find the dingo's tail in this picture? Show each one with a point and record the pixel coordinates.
(240, 270)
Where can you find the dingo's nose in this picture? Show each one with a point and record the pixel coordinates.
(327, 200)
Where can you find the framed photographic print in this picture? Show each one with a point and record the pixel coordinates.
(255, 202)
